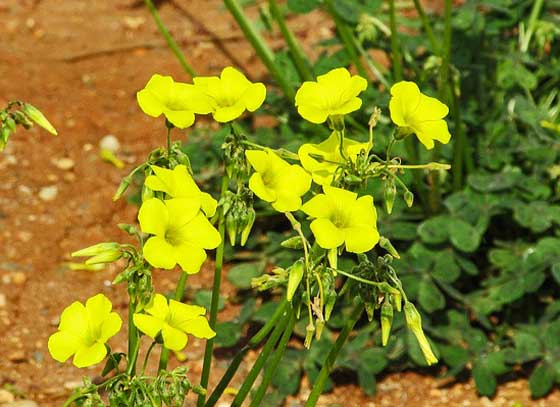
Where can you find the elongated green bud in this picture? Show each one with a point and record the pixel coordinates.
(147, 193)
(390, 193)
(386, 321)
(39, 118)
(397, 300)
(107, 252)
(414, 323)
(231, 227)
(294, 278)
(386, 244)
(408, 198)
(292, 243)
(249, 221)
(123, 186)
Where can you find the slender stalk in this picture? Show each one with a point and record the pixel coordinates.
(177, 296)
(205, 375)
(347, 38)
(168, 142)
(147, 357)
(133, 339)
(259, 363)
(170, 41)
(535, 11)
(276, 358)
(260, 46)
(373, 66)
(427, 27)
(327, 367)
(300, 60)
(395, 50)
(253, 343)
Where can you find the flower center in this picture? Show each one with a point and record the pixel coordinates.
(340, 218)
(172, 236)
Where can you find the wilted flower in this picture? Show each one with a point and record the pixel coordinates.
(177, 101)
(334, 93)
(83, 331)
(178, 183)
(276, 181)
(231, 94)
(417, 113)
(180, 233)
(174, 320)
(414, 323)
(323, 170)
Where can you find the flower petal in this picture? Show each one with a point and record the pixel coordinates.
(198, 326)
(90, 355)
(257, 185)
(98, 308)
(153, 217)
(74, 319)
(430, 108)
(159, 253)
(254, 96)
(328, 236)
(147, 324)
(180, 118)
(158, 307)
(190, 258)
(258, 159)
(173, 338)
(62, 345)
(199, 232)
(360, 239)
(182, 210)
(286, 202)
(318, 207)
(432, 130)
(312, 113)
(208, 204)
(110, 327)
(228, 113)
(404, 101)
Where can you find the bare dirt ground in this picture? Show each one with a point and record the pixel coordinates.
(81, 62)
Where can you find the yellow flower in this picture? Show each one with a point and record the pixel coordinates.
(177, 101)
(276, 181)
(334, 93)
(174, 320)
(417, 113)
(178, 183)
(83, 331)
(343, 218)
(323, 170)
(231, 94)
(180, 233)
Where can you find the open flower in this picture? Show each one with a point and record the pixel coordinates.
(417, 113)
(174, 320)
(323, 170)
(178, 183)
(83, 331)
(343, 218)
(180, 233)
(231, 94)
(177, 101)
(276, 181)
(334, 93)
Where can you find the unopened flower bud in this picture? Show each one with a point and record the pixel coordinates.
(414, 323)
(294, 278)
(123, 186)
(249, 220)
(408, 198)
(387, 245)
(147, 193)
(39, 118)
(100, 253)
(231, 227)
(386, 321)
(390, 193)
(292, 243)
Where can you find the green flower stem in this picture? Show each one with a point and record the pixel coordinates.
(427, 27)
(259, 363)
(282, 152)
(373, 66)
(154, 343)
(170, 41)
(253, 343)
(273, 364)
(260, 46)
(300, 60)
(395, 47)
(328, 365)
(168, 142)
(347, 38)
(177, 296)
(133, 339)
(218, 265)
(535, 11)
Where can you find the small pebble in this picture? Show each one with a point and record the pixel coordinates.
(38, 356)
(18, 277)
(6, 396)
(3, 300)
(64, 163)
(17, 356)
(73, 384)
(110, 142)
(48, 193)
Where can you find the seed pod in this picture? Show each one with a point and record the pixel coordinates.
(249, 221)
(386, 244)
(386, 321)
(231, 227)
(408, 198)
(390, 193)
(294, 278)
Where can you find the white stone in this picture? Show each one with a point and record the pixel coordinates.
(48, 193)
(110, 142)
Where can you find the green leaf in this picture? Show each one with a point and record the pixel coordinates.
(367, 382)
(400, 230)
(265, 312)
(507, 292)
(288, 374)
(541, 380)
(242, 274)
(454, 356)
(348, 10)
(496, 362)
(556, 272)
(494, 182)
(527, 346)
(463, 236)
(435, 230)
(467, 266)
(445, 267)
(227, 334)
(484, 379)
(534, 216)
(204, 299)
(373, 360)
(429, 296)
